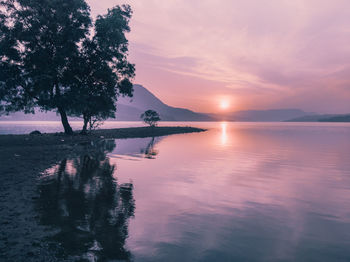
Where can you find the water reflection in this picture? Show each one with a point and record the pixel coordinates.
(136, 148)
(244, 192)
(239, 192)
(223, 133)
(150, 151)
(82, 200)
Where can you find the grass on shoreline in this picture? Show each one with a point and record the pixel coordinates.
(117, 133)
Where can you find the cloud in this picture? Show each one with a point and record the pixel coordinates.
(268, 51)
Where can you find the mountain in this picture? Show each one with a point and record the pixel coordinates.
(322, 118)
(272, 115)
(142, 100)
(131, 108)
(338, 118)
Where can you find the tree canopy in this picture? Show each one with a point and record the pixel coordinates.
(101, 72)
(53, 57)
(150, 117)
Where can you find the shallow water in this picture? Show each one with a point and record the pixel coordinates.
(238, 192)
(25, 127)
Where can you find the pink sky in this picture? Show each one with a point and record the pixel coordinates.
(253, 54)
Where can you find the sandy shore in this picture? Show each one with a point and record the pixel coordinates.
(22, 159)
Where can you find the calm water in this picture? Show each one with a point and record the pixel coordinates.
(25, 127)
(239, 192)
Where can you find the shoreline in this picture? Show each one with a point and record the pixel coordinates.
(22, 159)
(45, 139)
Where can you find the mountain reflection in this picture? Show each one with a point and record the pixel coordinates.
(86, 206)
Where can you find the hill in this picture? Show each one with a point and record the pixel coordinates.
(132, 108)
(322, 118)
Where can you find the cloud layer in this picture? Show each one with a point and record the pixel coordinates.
(256, 53)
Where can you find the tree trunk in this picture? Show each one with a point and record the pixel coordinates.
(67, 128)
(86, 121)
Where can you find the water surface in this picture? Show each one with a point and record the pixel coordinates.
(239, 192)
(25, 127)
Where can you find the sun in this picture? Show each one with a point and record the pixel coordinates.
(224, 104)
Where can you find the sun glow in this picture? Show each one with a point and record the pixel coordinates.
(224, 103)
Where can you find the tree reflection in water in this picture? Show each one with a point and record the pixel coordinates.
(83, 201)
(149, 151)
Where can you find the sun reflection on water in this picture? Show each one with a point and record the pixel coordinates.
(224, 138)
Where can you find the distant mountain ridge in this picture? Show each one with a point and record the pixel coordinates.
(322, 118)
(130, 109)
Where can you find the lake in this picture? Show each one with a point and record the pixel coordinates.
(238, 192)
(25, 127)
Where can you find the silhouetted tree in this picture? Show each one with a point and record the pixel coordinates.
(42, 37)
(9, 70)
(49, 59)
(150, 117)
(101, 72)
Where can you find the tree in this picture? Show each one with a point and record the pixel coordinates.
(12, 97)
(50, 58)
(101, 72)
(150, 117)
(45, 37)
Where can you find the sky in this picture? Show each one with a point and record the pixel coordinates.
(229, 55)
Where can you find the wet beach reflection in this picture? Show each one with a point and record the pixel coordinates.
(88, 210)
